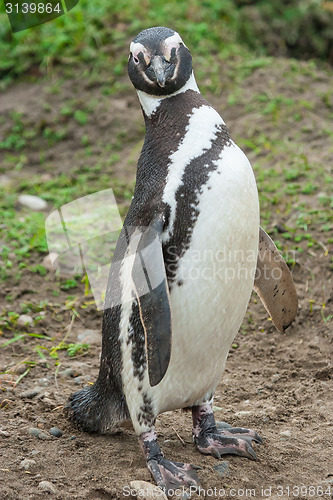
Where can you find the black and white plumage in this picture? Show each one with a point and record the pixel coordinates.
(196, 207)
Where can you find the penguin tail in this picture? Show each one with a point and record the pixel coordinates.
(96, 409)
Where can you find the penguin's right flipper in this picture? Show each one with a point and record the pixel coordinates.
(274, 284)
(152, 293)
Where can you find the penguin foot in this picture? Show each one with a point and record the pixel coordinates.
(220, 438)
(169, 476)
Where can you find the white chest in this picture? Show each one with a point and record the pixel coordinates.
(213, 283)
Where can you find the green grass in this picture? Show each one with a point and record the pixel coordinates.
(97, 33)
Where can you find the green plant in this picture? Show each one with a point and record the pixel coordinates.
(76, 349)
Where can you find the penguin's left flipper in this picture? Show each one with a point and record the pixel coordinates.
(152, 293)
(274, 284)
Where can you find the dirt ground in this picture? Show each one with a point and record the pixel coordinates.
(277, 384)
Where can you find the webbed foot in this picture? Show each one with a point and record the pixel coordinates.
(168, 475)
(220, 438)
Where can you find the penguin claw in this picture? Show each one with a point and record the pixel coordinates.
(238, 432)
(171, 476)
(215, 453)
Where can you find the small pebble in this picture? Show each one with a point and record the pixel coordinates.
(217, 408)
(50, 261)
(64, 453)
(35, 452)
(275, 378)
(147, 491)
(56, 432)
(44, 381)
(222, 469)
(82, 379)
(47, 487)
(89, 337)
(285, 434)
(27, 464)
(242, 413)
(38, 433)
(49, 403)
(69, 372)
(24, 321)
(42, 361)
(31, 393)
(33, 202)
(45, 177)
(21, 369)
(5, 180)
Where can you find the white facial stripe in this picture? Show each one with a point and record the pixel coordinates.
(172, 42)
(150, 103)
(136, 48)
(200, 133)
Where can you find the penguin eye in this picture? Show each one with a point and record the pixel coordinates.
(135, 59)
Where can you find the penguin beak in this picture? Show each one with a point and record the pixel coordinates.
(158, 66)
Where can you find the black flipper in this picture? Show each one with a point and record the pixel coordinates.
(274, 284)
(152, 293)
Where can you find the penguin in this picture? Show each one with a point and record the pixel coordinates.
(190, 252)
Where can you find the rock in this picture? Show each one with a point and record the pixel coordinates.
(5, 180)
(217, 408)
(242, 413)
(49, 403)
(38, 433)
(56, 432)
(47, 487)
(27, 464)
(24, 321)
(89, 337)
(275, 378)
(285, 434)
(4, 434)
(44, 381)
(222, 469)
(33, 202)
(147, 491)
(21, 369)
(50, 261)
(45, 177)
(35, 452)
(42, 361)
(300, 394)
(31, 393)
(82, 379)
(68, 372)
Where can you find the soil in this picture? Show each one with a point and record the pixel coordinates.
(277, 384)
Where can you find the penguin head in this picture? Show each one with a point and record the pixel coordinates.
(159, 62)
